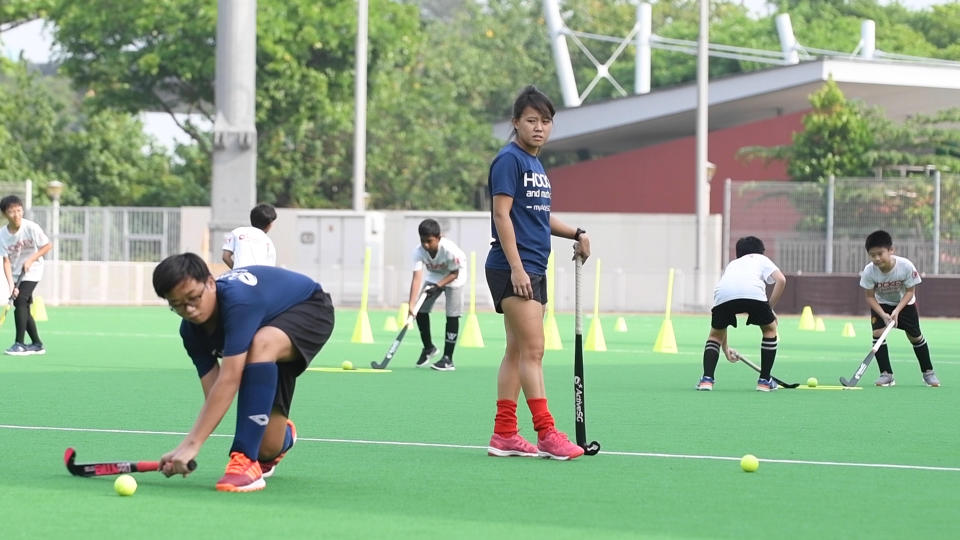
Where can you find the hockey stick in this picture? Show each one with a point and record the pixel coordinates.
(108, 468)
(406, 325)
(869, 358)
(578, 393)
(757, 369)
(9, 306)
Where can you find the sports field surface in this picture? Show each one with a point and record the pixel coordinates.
(403, 454)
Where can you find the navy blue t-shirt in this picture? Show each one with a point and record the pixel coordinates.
(521, 176)
(247, 299)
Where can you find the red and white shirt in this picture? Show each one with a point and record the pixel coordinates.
(890, 287)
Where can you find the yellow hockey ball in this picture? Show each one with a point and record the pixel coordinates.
(125, 485)
(749, 463)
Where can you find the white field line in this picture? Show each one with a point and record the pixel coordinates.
(474, 447)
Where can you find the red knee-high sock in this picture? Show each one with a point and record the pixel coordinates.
(505, 423)
(542, 419)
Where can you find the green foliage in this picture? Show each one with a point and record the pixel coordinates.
(834, 141)
(440, 71)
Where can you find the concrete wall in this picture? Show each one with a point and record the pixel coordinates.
(635, 251)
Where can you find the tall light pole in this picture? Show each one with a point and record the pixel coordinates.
(54, 189)
(702, 182)
(360, 113)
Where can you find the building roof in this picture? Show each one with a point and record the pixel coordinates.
(622, 124)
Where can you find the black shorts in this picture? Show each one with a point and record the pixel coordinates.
(308, 325)
(501, 287)
(908, 320)
(758, 313)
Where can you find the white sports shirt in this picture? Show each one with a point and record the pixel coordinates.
(449, 258)
(889, 288)
(22, 244)
(745, 278)
(250, 246)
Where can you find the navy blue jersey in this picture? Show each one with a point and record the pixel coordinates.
(247, 299)
(521, 176)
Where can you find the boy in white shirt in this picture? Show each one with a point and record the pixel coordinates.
(437, 263)
(890, 284)
(247, 246)
(24, 244)
(743, 289)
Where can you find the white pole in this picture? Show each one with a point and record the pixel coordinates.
(360, 115)
(788, 42)
(700, 188)
(642, 66)
(561, 55)
(868, 39)
(936, 221)
(831, 189)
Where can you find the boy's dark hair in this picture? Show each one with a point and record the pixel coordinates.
(8, 201)
(881, 239)
(532, 97)
(748, 245)
(429, 227)
(175, 268)
(262, 216)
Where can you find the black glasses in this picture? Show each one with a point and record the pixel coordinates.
(192, 301)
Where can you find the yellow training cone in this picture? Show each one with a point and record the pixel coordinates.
(402, 314)
(38, 309)
(666, 341)
(595, 341)
(848, 331)
(361, 331)
(820, 327)
(806, 319)
(390, 325)
(551, 335)
(620, 325)
(471, 333)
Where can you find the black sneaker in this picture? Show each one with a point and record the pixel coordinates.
(426, 355)
(444, 364)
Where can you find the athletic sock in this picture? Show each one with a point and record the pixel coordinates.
(453, 329)
(711, 354)
(505, 423)
(254, 402)
(922, 351)
(883, 358)
(768, 354)
(423, 323)
(542, 419)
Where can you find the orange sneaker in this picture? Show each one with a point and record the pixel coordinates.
(269, 467)
(242, 474)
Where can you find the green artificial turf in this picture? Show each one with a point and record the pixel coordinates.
(402, 454)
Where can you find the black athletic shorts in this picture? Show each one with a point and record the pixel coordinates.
(501, 287)
(725, 314)
(908, 320)
(308, 325)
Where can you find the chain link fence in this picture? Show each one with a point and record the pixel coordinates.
(821, 227)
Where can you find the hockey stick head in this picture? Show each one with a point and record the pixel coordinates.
(591, 449)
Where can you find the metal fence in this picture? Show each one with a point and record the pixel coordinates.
(112, 233)
(813, 227)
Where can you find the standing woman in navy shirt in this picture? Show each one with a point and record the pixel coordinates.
(516, 268)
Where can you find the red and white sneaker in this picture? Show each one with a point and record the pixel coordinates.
(269, 467)
(242, 474)
(555, 445)
(514, 445)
